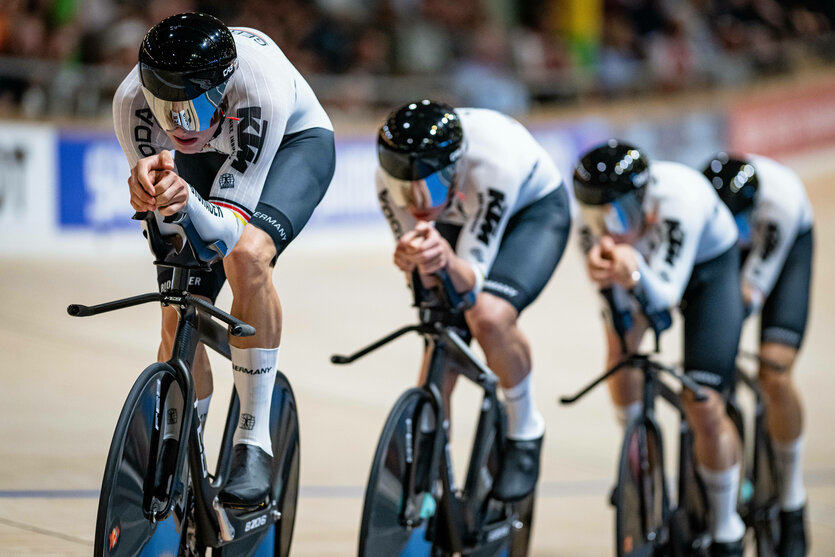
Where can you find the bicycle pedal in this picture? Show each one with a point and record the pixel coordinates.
(247, 508)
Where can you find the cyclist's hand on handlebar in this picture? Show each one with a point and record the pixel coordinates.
(427, 249)
(142, 179)
(171, 192)
(599, 264)
(403, 250)
(608, 262)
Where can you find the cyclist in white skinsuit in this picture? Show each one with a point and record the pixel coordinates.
(774, 217)
(659, 236)
(254, 155)
(470, 191)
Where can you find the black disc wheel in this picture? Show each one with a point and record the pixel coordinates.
(640, 494)
(122, 527)
(275, 541)
(765, 504)
(395, 516)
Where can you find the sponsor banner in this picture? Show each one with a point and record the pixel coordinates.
(689, 138)
(778, 124)
(92, 187)
(27, 177)
(352, 195)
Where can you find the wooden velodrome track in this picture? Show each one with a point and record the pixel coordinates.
(64, 381)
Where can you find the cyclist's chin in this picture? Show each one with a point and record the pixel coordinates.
(190, 143)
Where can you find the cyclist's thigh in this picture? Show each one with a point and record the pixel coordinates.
(713, 312)
(297, 181)
(786, 309)
(531, 247)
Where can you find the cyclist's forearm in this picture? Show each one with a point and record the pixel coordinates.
(465, 277)
(660, 294)
(213, 223)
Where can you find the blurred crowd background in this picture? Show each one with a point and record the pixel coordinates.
(65, 57)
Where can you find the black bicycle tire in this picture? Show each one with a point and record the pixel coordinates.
(625, 544)
(288, 498)
(115, 456)
(370, 500)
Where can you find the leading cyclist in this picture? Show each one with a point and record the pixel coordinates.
(470, 191)
(774, 218)
(657, 230)
(253, 156)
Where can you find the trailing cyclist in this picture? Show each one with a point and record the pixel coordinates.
(470, 191)
(774, 218)
(253, 156)
(657, 234)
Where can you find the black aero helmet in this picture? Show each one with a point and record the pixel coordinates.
(610, 171)
(735, 181)
(419, 139)
(185, 62)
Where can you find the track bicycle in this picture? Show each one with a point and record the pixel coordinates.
(153, 503)
(412, 504)
(645, 521)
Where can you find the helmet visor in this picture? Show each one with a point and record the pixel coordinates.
(617, 218)
(424, 194)
(194, 115)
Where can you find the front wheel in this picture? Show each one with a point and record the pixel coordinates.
(395, 518)
(641, 504)
(121, 525)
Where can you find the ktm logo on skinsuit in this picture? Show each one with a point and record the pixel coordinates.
(675, 238)
(768, 237)
(492, 215)
(251, 133)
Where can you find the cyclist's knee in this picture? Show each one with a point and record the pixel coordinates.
(491, 319)
(249, 264)
(776, 381)
(706, 417)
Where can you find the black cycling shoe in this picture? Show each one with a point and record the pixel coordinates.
(792, 533)
(166, 461)
(726, 549)
(249, 478)
(520, 470)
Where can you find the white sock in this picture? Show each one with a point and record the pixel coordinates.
(629, 413)
(254, 372)
(722, 488)
(173, 411)
(790, 458)
(524, 422)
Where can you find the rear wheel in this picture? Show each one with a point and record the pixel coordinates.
(396, 519)
(496, 515)
(275, 541)
(121, 525)
(641, 503)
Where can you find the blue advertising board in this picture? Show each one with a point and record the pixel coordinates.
(92, 182)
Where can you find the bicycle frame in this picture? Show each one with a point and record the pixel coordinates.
(458, 514)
